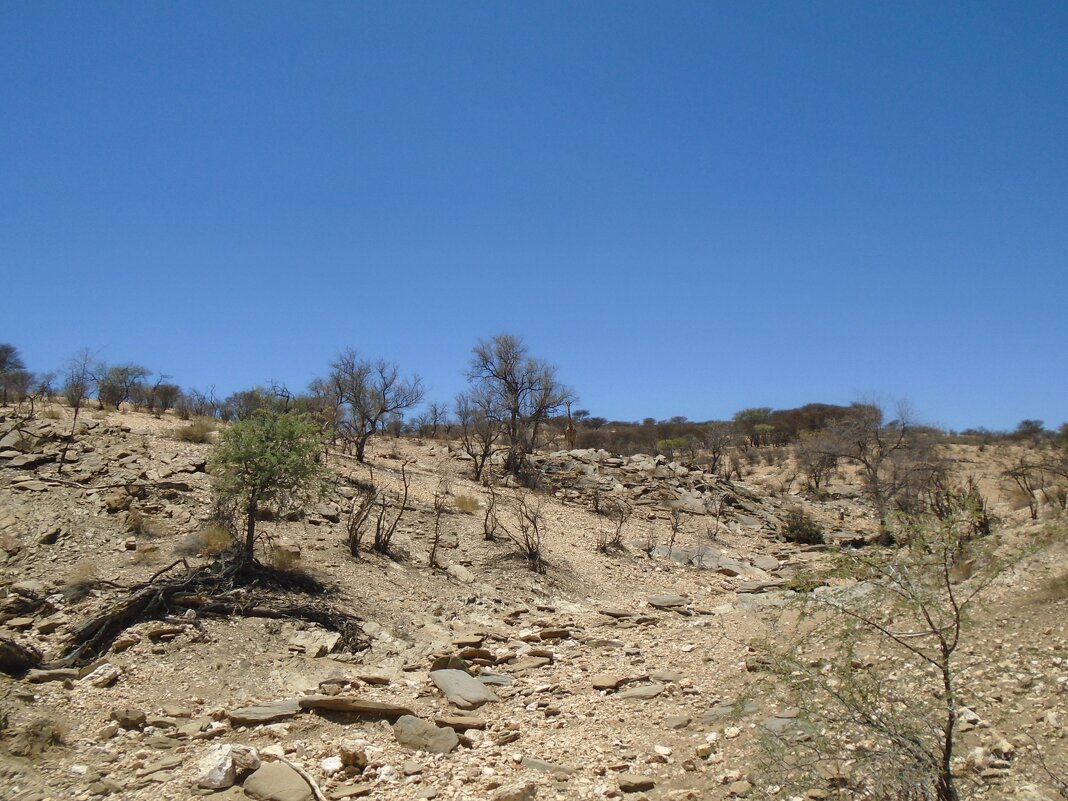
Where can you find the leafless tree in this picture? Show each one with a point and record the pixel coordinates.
(524, 388)
(530, 531)
(815, 462)
(895, 458)
(75, 390)
(368, 394)
(14, 377)
(118, 383)
(384, 527)
(491, 524)
(618, 512)
(716, 439)
(479, 421)
(441, 502)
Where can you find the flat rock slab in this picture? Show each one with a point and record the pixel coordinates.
(60, 674)
(275, 781)
(612, 681)
(546, 767)
(420, 735)
(665, 677)
(461, 689)
(528, 663)
(633, 783)
(668, 601)
(351, 791)
(460, 722)
(643, 693)
(261, 714)
(353, 706)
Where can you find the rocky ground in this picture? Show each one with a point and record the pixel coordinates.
(607, 676)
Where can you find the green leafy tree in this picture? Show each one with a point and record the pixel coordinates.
(268, 458)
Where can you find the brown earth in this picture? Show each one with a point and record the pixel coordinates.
(600, 693)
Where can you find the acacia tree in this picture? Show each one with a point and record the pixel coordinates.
(267, 458)
(525, 389)
(368, 394)
(887, 727)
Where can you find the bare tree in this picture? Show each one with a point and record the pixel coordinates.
(384, 527)
(716, 439)
(75, 390)
(491, 524)
(618, 512)
(896, 458)
(441, 503)
(815, 462)
(530, 528)
(368, 395)
(524, 388)
(14, 378)
(479, 421)
(119, 383)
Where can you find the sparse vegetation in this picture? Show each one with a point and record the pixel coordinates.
(268, 458)
(889, 730)
(201, 430)
(799, 527)
(466, 504)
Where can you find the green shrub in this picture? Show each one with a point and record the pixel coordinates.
(799, 527)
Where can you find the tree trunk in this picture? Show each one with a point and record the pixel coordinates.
(250, 530)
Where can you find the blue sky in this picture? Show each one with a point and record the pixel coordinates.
(690, 208)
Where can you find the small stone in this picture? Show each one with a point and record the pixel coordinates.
(128, 717)
(331, 765)
(527, 791)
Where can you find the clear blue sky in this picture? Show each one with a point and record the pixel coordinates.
(690, 208)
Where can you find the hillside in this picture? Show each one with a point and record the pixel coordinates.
(629, 673)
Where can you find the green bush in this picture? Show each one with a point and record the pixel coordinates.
(799, 527)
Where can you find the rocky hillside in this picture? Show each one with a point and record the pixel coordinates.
(621, 674)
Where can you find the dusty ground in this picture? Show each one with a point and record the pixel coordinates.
(546, 637)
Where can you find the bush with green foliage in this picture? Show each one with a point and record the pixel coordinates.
(799, 527)
(268, 458)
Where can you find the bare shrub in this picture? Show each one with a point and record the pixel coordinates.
(611, 539)
(530, 524)
(491, 524)
(363, 504)
(441, 503)
(285, 560)
(675, 523)
(80, 581)
(38, 735)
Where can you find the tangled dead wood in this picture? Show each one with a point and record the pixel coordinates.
(230, 586)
